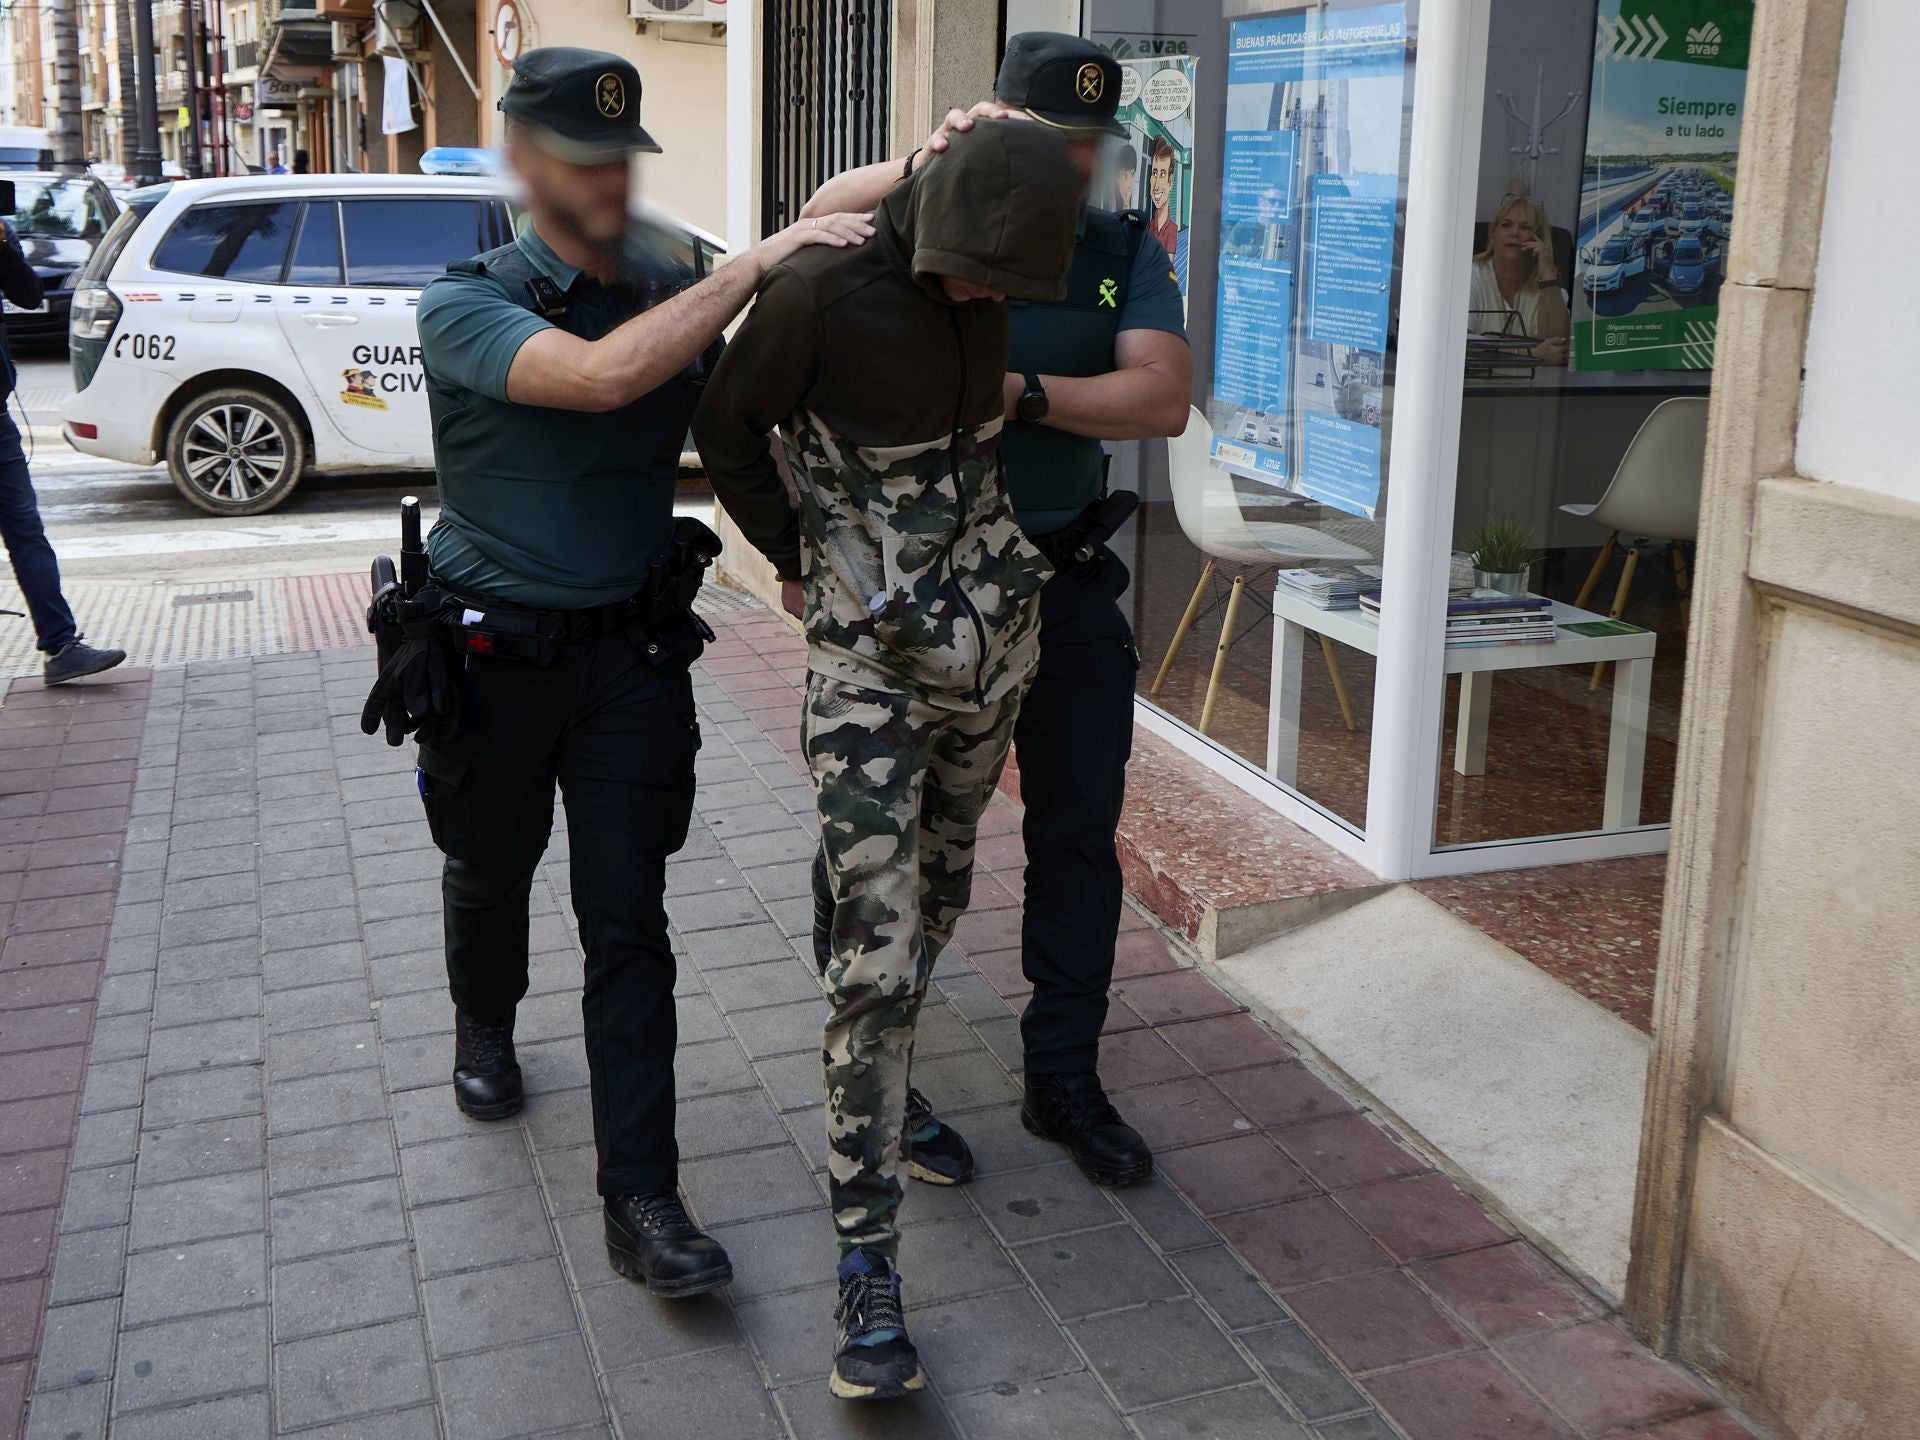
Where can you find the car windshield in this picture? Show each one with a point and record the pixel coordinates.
(57, 207)
(1615, 251)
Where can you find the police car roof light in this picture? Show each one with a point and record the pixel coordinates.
(460, 160)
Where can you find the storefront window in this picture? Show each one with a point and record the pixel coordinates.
(1268, 151)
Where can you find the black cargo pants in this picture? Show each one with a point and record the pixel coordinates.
(1072, 740)
(616, 729)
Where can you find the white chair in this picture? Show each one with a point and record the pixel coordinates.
(1654, 495)
(1210, 513)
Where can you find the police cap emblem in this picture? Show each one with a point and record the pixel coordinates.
(610, 95)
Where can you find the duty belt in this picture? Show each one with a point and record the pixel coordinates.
(1080, 539)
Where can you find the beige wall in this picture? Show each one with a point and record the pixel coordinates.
(683, 80)
(1777, 1235)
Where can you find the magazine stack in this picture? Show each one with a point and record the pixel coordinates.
(1330, 587)
(1486, 617)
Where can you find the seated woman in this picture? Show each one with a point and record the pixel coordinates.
(1515, 288)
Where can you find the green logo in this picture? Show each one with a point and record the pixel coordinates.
(1109, 290)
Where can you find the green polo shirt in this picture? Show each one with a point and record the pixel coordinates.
(552, 509)
(1053, 475)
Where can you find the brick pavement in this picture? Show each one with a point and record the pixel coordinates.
(277, 1222)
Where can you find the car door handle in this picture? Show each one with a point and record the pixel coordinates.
(322, 320)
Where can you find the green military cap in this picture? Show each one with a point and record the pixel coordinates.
(1066, 81)
(581, 106)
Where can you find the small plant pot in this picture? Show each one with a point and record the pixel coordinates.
(1506, 582)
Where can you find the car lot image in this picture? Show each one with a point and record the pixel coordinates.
(1652, 238)
(248, 332)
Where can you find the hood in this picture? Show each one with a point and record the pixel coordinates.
(999, 209)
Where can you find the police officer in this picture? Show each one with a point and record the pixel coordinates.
(1109, 362)
(561, 373)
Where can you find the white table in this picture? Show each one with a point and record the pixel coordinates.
(1632, 655)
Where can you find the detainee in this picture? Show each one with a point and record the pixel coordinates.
(561, 372)
(884, 370)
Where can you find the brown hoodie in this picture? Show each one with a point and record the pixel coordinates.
(888, 397)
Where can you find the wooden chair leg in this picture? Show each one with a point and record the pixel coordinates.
(1599, 569)
(1619, 605)
(1339, 685)
(1220, 652)
(1180, 630)
(1682, 580)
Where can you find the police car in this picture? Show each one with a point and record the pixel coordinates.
(252, 331)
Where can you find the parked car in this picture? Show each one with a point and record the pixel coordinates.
(59, 219)
(248, 331)
(1691, 265)
(1620, 257)
(25, 147)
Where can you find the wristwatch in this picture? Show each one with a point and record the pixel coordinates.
(1032, 405)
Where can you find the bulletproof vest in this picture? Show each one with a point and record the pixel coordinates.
(572, 497)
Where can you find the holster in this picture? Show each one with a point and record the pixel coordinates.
(674, 576)
(1080, 539)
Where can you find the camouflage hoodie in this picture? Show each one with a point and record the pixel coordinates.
(888, 398)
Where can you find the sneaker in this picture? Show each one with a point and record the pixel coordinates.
(936, 1153)
(651, 1238)
(76, 660)
(872, 1359)
(1072, 1110)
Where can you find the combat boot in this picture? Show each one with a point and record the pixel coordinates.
(872, 1357)
(1072, 1110)
(651, 1239)
(486, 1076)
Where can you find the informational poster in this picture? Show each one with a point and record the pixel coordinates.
(1153, 167)
(1311, 175)
(1656, 198)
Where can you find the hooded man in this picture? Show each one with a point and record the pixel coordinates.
(884, 370)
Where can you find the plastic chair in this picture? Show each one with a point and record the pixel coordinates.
(1654, 495)
(1210, 514)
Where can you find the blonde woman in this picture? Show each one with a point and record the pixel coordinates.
(1515, 287)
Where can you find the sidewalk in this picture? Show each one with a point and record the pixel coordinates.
(222, 1004)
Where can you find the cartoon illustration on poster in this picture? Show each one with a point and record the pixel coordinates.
(1663, 146)
(1309, 192)
(360, 390)
(1153, 166)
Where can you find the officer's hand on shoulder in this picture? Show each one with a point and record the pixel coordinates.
(840, 231)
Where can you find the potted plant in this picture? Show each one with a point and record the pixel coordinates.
(1503, 552)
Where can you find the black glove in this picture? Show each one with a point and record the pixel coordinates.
(419, 684)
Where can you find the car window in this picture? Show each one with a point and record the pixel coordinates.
(316, 254)
(230, 242)
(64, 208)
(408, 242)
(100, 264)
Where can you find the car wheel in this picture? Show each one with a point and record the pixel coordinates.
(236, 452)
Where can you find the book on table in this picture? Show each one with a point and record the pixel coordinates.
(1485, 617)
(1329, 587)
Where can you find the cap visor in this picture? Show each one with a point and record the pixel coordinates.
(1077, 124)
(593, 152)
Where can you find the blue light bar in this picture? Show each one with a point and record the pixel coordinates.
(459, 160)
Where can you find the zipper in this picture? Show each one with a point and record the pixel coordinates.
(960, 502)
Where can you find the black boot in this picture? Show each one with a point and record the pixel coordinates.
(1073, 1111)
(77, 659)
(650, 1239)
(486, 1077)
(822, 912)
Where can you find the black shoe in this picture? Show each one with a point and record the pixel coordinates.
(650, 1239)
(76, 660)
(936, 1153)
(486, 1076)
(872, 1357)
(1073, 1111)
(822, 912)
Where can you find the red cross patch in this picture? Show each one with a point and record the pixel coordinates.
(479, 642)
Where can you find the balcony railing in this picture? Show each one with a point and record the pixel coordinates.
(243, 56)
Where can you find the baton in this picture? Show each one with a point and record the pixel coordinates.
(413, 556)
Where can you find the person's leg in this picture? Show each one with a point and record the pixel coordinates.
(35, 569)
(969, 752)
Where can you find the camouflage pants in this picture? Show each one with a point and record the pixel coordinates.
(900, 787)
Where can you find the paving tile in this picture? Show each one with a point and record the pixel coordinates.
(1234, 1292)
(1226, 1042)
(1358, 1427)
(1139, 1057)
(1462, 1398)
(1284, 1094)
(343, 1292)
(201, 1358)
(695, 1397)
(340, 1217)
(1097, 1270)
(1162, 1351)
(794, 1333)
(34, 1181)
(740, 945)
(74, 1414)
(1709, 1425)
(628, 1326)
(466, 1165)
(1165, 1215)
(962, 1082)
(204, 1148)
(1423, 1216)
(1376, 1319)
(1601, 1379)
(816, 1415)
(1301, 1242)
(325, 1100)
(1345, 1150)
(1506, 1290)
(40, 1124)
(1303, 1372)
(1000, 1339)
(1235, 1174)
(1181, 1112)
(747, 1187)
(197, 1209)
(88, 1266)
(779, 1029)
(781, 1253)
(194, 1279)
(336, 1154)
(504, 1305)
(1044, 1200)
(76, 1344)
(236, 1415)
(718, 1124)
(1071, 1405)
(545, 1384)
(356, 1372)
(486, 1230)
(114, 1085)
(1249, 1413)
(948, 1257)
(306, 1053)
(96, 1198)
(778, 982)
(201, 1095)
(26, 1239)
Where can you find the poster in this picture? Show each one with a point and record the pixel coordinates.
(1311, 175)
(1153, 166)
(1656, 196)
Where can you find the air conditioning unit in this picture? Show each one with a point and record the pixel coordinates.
(710, 12)
(346, 41)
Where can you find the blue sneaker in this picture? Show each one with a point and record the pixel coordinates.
(873, 1358)
(936, 1152)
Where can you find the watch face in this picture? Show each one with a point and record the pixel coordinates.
(1032, 407)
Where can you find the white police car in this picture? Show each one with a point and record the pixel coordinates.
(249, 331)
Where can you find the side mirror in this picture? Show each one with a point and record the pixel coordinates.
(7, 203)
